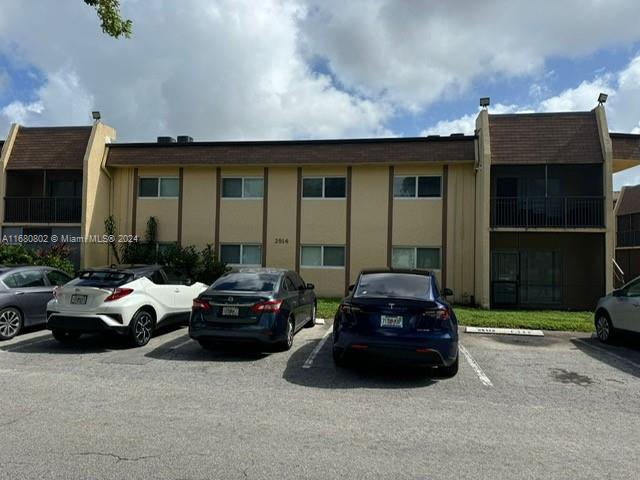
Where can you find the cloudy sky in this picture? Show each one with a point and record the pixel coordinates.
(282, 69)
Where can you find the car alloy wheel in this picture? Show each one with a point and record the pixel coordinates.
(142, 328)
(603, 328)
(10, 323)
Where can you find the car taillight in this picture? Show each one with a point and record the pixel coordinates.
(434, 319)
(200, 304)
(268, 306)
(348, 308)
(118, 293)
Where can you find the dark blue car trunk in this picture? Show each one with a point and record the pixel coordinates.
(417, 316)
(225, 300)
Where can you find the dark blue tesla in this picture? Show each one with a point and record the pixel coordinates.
(398, 314)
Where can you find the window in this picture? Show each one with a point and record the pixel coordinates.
(397, 285)
(322, 256)
(412, 257)
(324, 187)
(57, 278)
(246, 282)
(243, 187)
(288, 285)
(154, 187)
(240, 254)
(25, 279)
(417, 187)
(633, 290)
(157, 278)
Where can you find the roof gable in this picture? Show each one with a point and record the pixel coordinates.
(540, 138)
(51, 148)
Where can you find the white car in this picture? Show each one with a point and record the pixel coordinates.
(619, 311)
(131, 300)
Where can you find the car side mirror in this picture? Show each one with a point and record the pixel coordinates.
(310, 286)
(351, 287)
(447, 292)
(618, 293)
(188, 282)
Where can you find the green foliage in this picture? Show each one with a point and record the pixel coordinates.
(112, 22)
(181, 263)
(56, 256)
(210, 267)
(111, 230)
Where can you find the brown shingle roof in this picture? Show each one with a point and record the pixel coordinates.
(629, 201)
(626, 146)
(53, 148)
(303, 152)
(545, 138)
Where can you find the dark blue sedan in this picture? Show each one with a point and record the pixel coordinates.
(400, 315)
(260, 306)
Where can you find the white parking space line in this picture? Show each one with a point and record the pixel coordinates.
(481, 375)
(314, 353)
(604, 350)
(320, 321)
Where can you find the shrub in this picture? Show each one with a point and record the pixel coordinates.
(56, 256)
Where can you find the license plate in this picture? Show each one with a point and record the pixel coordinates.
(394, 321)
(78, 299)
(230, 311)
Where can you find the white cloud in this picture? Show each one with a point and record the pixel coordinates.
(229, 70)
(623, 112)
(416, 52)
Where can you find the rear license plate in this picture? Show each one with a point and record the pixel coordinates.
(394, 321)
(230, 311)
(78, 299)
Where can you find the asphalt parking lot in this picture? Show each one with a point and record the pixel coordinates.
(561, 406)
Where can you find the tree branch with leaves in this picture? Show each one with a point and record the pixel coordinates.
(112, 22)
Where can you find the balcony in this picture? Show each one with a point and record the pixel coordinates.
(43, 209)
(547, 212)
(630, 238)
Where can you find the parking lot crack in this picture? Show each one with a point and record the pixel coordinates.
(118, 458)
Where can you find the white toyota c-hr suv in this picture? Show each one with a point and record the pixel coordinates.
(132, 300)
(619, 312)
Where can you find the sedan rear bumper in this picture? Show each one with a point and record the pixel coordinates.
(437, 351)
(234, 333)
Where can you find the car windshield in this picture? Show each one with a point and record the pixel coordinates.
(246, 282)
(396, 285)
(101, 279)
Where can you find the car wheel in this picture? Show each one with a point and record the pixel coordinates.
(10, 323)
(312, 321)
(452, 370)
(339, 359)
(287, 342)
(65, 336)
(141, 328)
(604, 328)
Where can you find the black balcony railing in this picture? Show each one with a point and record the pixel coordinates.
(630, 238)
(560, 212)
(43, 209)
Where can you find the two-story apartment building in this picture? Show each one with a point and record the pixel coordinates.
(627, 212)
(518, 214)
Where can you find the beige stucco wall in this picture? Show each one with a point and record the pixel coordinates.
(483, 202)
(164, 209)
(199, 206)
(329, 282)
(95, 195)
(460, 232)
(369, 218)
(4, 159)
(281, 217)
(240, 218)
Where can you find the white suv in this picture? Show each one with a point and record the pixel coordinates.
(132, 300)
